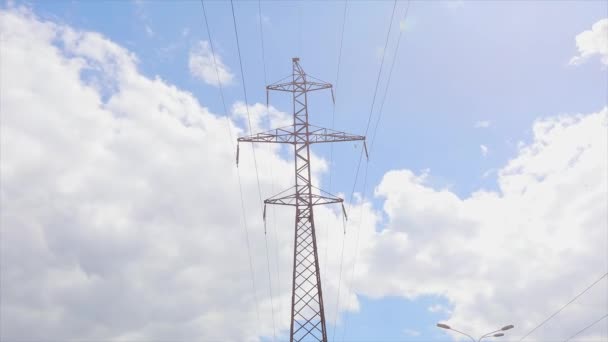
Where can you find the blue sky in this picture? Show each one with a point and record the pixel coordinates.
(460, 65)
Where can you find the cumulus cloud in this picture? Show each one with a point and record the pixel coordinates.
(203, 67)
(592, 42)
(514, 255)
(438, 308)
(120, 204)
(262, 118)
(120, 213)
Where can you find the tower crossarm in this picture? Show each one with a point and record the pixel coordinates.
(291, 198)
(322, 135)
(298, 86)
(282, 135)
(286, 135)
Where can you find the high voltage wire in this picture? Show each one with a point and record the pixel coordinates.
(238, 47)
(585, 328)
(274, 222)
(257, 305)
(236, 33)
(373, 140)
(390, 73)
(563, 307)
(333, 115)
(331, 155)
(361, 154)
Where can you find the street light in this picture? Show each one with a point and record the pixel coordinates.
(490, 334)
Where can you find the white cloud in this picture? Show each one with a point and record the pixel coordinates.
(509, 256)
(120, 210)
(120, 213)
(120, 204)
(142, 17)
(592, 42)
(262, 118)
(484, 150)
(482, 124)
(202, 66)
(438, 308)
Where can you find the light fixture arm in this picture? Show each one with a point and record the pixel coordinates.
(488, 335)
(467, 335)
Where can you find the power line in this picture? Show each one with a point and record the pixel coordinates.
(333, 114)
(563, 307)
(236, 33)
(238, 47)
(585, 328)
(274, 222)
(245, 226)
(352, 274)
(371, 110)
(361, 154)
(331, 153)
(390, 73)
(371, 146)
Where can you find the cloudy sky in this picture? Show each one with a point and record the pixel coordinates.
(484, 202)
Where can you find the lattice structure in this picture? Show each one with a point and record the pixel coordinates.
(307, 313)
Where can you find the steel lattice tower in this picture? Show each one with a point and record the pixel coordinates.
(307, 313)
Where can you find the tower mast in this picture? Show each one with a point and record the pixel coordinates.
(307, 311)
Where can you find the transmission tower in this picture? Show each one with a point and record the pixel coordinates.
(307, 313)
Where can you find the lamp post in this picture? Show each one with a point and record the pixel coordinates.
(496, 333)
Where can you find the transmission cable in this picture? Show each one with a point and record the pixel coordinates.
(361, 155)
(236, 33)
(563, 307)
(333, 115)
(369, 152)
(272, 188)
(231, 136)
(390, 73)
(331, 153)
(585, 328)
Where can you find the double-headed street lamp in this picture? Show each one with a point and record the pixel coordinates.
(496, 333)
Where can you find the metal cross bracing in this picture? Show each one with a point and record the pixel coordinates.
(307, 312)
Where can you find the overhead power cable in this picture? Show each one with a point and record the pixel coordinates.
(371, 146)
(333, 115)
(238, 47)
(255, 163)
(585, 328)
(361, 155)
(563, 307)
(231, 136)
(274, 222)
(388, 82)
(331, 151)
